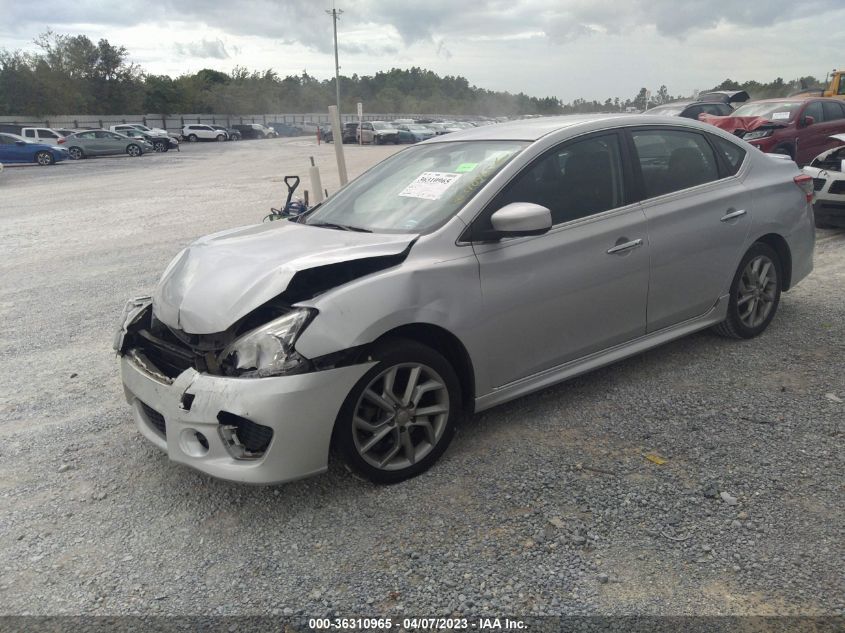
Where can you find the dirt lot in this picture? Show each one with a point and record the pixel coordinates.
(543, 505)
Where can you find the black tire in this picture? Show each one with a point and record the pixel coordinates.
(44, 158)
(220, 138)
(75, 153)
(400, 353)
(160, 146)
(734, 326)
(134, 150)
(192, 138)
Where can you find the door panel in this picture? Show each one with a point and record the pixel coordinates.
(560, 296)
(697, 222)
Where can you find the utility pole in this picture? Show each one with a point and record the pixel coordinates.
(335, 13)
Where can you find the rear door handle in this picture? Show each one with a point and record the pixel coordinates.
(626, 246)
(730, 215)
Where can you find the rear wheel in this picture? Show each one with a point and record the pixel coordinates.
(401, 416)
(755, 293)
(133, 150)
(75, 153)
(220, 138)
(44, 158)
(192, 138)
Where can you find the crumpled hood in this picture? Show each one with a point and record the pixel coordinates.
(735, 124)
(222, 277)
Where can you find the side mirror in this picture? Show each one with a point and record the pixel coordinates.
(807, 121)
(20, 142)
(518, 219)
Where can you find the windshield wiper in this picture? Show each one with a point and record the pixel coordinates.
(342, 227)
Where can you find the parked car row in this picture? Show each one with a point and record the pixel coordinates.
(399, 130)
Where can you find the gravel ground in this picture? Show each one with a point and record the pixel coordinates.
(546, 505)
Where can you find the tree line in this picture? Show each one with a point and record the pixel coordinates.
(70, 74)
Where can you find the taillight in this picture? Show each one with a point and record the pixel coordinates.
(61, 140)
(805, 183)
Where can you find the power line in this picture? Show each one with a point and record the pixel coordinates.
(336, 13)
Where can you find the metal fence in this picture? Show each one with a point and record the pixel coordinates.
(175, 122)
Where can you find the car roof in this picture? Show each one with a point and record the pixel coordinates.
(534, 129)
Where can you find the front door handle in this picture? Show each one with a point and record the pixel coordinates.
(730, 215)
(625, 246)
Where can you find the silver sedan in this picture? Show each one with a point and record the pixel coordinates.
(103, 143)
(456, 275)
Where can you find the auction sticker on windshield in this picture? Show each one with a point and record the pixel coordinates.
(780, 116)
(429, 185)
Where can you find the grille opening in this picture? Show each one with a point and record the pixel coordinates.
(155, 418)
(244, 438)
(818, 183)
(838, 187)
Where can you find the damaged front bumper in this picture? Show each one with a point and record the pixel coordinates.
(252, 430)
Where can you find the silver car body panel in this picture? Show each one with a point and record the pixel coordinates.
(300, 409)
(523, 323)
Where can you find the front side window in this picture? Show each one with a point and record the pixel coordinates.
(814, 109)
(29, 133)
(574, 181)
(671, 160)
(418, 189)
(832, 111)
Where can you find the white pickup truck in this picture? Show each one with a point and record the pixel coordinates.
(45, 135)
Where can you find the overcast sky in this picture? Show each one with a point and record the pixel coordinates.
(567, 48)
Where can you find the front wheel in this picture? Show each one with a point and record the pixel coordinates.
(401, 416)
(160, 146)
(44, 158)
(133, 150)
(755, 293)
(220, 138)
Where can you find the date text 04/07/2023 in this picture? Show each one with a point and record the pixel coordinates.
(433, 624)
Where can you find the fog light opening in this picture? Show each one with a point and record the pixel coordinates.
(243, 438)
(193, 443)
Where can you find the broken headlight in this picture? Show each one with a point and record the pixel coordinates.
(750, 136)
(268, 350)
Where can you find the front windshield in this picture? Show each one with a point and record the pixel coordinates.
(417, 128)
(378, 125)
(418, 189)
(774, 111)
(667, 110)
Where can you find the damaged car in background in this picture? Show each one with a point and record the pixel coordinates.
(796, 127)
(828, 173)
(458, 274)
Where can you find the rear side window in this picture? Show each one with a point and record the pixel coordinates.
(731, 152)
(671, 160)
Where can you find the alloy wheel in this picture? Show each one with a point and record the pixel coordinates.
(75, 153)
(757, 291)
(401, 416)
(44, 158)
(133, 150)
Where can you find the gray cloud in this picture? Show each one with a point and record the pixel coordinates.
(214, 49)
(430, 21)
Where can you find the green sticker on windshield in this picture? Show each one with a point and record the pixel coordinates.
(465, 167)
